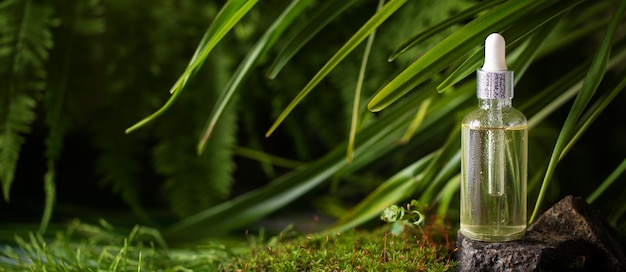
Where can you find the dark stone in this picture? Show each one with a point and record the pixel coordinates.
(570, 236)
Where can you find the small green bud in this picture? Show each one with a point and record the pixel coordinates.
(392, 214)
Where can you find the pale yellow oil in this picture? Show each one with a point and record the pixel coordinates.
(493, 182)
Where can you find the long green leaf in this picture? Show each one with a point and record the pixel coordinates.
(447, 152)
(554, 104)
(466, 68)
(357, 93)
(450, 49)
(555, 91)
(591, 83)
(230, 14)
(194, 183)
(448, 165)
(354, 41)
(266, 41)
(592, 113)
(225, 20)
(620, 209)
(266, 158)
(326, 14)
(445, 197)
(417, 121)
(371, 206)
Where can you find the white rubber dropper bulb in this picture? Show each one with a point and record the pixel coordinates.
(495, 53)
(495, 81)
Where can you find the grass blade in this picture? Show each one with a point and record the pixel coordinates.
(348, 47)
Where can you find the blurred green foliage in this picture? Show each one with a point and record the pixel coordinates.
(75, 75)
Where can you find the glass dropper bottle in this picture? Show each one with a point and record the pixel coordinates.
(494, 146)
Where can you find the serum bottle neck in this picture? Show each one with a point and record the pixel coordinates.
(494, 104)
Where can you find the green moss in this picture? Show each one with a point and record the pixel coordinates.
(426, 249)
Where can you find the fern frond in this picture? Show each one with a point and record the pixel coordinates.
(194, 183)
(25, 39)
(197, 182)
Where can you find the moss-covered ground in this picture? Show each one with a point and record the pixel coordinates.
(84, 247)
(414, 249)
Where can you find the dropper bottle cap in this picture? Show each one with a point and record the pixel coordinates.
(495, 81)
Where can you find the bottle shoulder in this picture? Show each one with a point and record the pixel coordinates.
(484, 118)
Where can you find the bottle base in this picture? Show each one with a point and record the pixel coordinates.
(493, 233)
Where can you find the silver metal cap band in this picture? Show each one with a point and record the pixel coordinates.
(494, 84)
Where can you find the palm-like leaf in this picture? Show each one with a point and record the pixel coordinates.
(454, 47)
(529, 38)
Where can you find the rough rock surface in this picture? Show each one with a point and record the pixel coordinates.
(570, 236)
